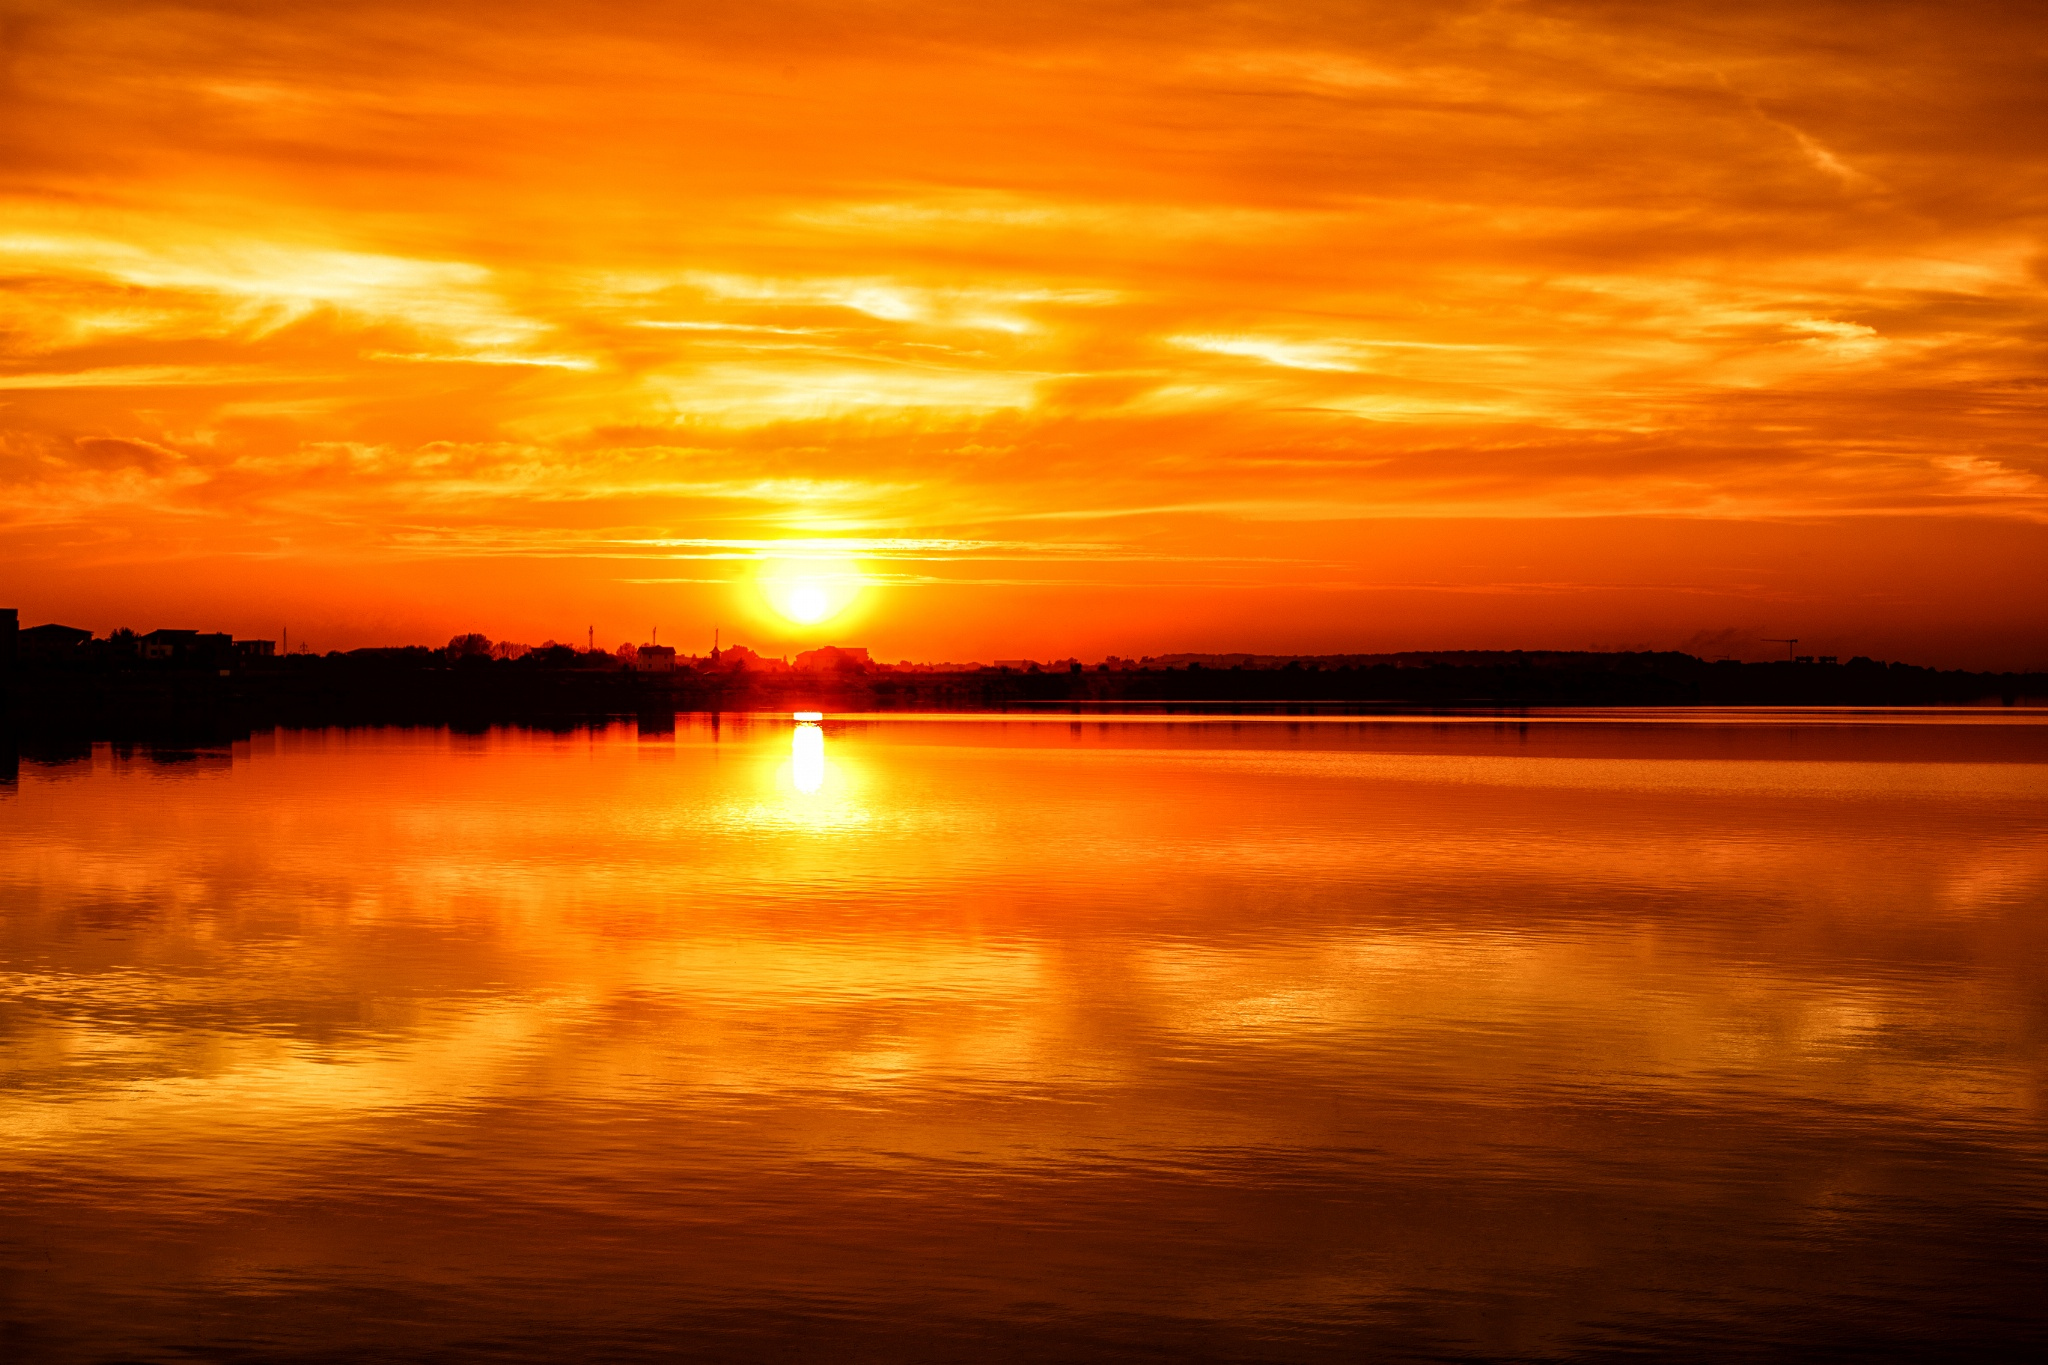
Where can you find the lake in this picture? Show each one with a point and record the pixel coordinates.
(1032, 1038)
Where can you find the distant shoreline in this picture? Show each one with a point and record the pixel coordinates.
(142, 699)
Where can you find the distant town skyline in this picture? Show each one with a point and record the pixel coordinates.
(55, 641)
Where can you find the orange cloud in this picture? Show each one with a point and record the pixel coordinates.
(1209, 306)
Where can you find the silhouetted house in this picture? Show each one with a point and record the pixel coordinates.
(655, 659)
(189, 647)
(247, 650)
(52, 643)
(832, 659)
(737, 658)
(166, 644)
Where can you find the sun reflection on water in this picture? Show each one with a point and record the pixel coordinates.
(807, 756)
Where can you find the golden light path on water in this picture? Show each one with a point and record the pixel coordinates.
(1029, 1038)
(807, 753)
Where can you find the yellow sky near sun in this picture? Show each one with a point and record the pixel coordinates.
(1079, 326)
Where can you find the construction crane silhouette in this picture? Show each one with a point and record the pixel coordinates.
(1787, 643)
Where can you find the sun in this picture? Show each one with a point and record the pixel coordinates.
(813, 594)
(807, 604)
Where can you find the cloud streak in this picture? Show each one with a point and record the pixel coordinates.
(918, 274)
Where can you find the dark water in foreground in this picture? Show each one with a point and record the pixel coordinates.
(974, 1039)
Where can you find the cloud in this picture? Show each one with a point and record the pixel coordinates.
(110, 452)
(1292, 355)
(908, 270)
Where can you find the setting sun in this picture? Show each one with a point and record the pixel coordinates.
(810, 594)
(808, 604)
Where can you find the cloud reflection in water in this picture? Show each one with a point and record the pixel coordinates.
(1145, 1035)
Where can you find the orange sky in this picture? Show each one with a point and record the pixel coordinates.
(1035, 328)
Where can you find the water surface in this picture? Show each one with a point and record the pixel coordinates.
(1002, 1038)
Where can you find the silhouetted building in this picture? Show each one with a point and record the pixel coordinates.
(188, 647)
(247, 650)
(738, 658)
(832, 659)
(52, 643)
(655, 659)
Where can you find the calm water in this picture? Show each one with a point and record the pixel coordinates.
(954, 1039)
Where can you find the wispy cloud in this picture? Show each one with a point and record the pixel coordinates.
(545, 287)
